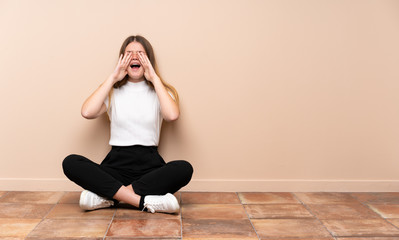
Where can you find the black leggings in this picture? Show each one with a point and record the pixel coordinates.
(140, 166)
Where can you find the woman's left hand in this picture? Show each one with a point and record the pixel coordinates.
(169, 108)
(149, 72)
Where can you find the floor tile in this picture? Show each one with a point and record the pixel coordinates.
(209, 198)
(145, 228)
(369, 238)
(63, 238)
(223, 238)
(73, 228)
(178, 196)
(290, 228)
(73, 211)
(205, 215)
(325, 198)
(32, 197)
(386, 211)
(360, 228)
(24, 210)
(342, 211)
(267, 198)
(217, 228)
(277, 211)
(213, 211)
(70, 197)
(132, 213)
(317, 238)
(394, 221)
(12, 238)
(12, 227)
(134, 238)
(381, 197)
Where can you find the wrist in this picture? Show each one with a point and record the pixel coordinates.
(113, 78)
(156, 80)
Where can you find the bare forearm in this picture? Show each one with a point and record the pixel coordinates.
(94, 105)
(169, 108)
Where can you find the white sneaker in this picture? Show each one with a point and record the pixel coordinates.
(161, 203)
(91, 201)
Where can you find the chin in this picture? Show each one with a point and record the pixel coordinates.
(136, 76)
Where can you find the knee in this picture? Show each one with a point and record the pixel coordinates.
(69, 163)
(186, 170)
(189, 168)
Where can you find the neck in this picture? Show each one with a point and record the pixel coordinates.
(136, 80)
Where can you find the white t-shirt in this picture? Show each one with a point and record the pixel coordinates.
(135, 115)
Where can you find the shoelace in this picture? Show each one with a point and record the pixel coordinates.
(152, 206)
(98, 199)
(149, 208)
(103, 200)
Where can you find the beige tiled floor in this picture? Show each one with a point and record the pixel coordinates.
(208, 215)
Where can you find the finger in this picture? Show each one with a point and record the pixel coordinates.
(147, 61)
(120, 59)
(145, 58)
(126, 56)
(142, 59)
(127, 59)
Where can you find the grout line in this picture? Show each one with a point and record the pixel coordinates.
(5, 194)
(109, 225)
(45, 216)
(63, 195)
(248, 216)
(315, 217)
(181, 216)
(382, 217)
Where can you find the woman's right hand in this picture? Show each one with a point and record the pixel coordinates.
(121, 69)
(94, 105)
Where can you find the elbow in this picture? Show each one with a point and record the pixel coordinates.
(92, 113)
(86, 114)
(173, 116)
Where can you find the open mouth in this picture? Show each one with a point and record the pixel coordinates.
(135, 66)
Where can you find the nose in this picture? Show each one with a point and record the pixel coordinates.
(135, 55)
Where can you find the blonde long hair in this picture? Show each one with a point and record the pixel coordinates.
(151, 56)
